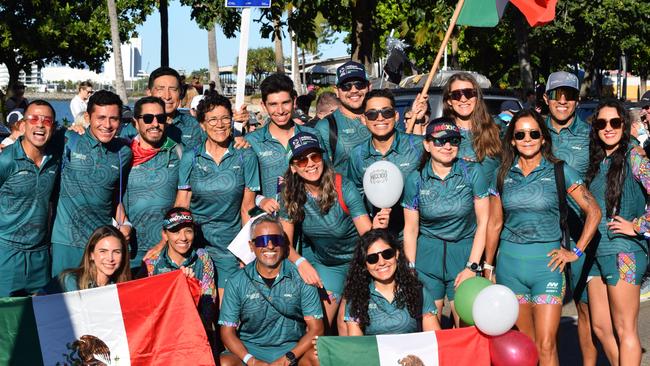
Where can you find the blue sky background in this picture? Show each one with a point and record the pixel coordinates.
(188, 43)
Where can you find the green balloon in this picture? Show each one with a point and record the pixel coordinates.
(465, 295)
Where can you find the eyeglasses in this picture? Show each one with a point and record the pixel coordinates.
(33, 119)
(458, 94)
(221, 120)
(386, 254)
(148, 118)
(373, 114)
(263, 241)
(303, 161)
(359, 84)
(439, 142)
(601, 123)
(534, 135)
(569, 94)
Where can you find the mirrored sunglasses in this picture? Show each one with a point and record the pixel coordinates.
(33, 119)
(263, 241)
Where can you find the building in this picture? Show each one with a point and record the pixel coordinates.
(29, 79)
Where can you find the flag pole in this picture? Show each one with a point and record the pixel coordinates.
(436, 63)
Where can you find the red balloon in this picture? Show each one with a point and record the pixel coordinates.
(513, 349)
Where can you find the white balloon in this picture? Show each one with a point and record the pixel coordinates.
(495, 310)
(383, 184)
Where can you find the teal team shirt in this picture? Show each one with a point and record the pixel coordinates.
(332, 236)
(530, 204)
(273, 157)
(446, 206)
(351, 133)
(387, 318)
(571, 144)
(150, 192)
(25, 193)
(489, 166)
(90, 183)
(217, 194)
(269, 331)
(184, 130)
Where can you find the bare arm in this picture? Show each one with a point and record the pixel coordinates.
(233, 343)
(247, 203)
(183, 198)
(430, 322)
(315, 328)
(353, 329)
(482, 210)
(411, 231)
(493, 230)
(305, 269)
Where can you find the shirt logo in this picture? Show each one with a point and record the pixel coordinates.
(78, 156)
(288, 295)
(236, 167)
(253, 296)
(461, 186)
(114, 167)
(546, 179)
(349, 130)
(187, 136)
(265, 153)
(552, 286)
(425, 192)
(405, 164)
(372, 306)
(576, 147)
(507, 180)
(172, 165)
(22, 172)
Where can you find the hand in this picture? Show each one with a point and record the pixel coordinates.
(490, 275)
(78, 129)
(126, 231)
(639, 150)
(419, 107)
(463, 275)
(309, 274)
(619, 225)
(559, 258)
(241, 115)
(282, 361)
(241, 143)
(380, 221)
(314, 342)
(154, 250)
(256, 362)
(188, 272)
(269, 205)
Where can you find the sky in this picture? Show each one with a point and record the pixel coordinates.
(188, 43)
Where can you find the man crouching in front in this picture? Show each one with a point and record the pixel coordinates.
(267, 306)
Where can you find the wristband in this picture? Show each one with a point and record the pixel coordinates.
(488, 266)
(247, 358)
(299, 260)
(412, 265)
(118, 225)
(577, 252)
(258, 200)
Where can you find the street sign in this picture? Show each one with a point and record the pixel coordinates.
(248, 3)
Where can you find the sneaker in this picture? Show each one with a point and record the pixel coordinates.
(645, 289)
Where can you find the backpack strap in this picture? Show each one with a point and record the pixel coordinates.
(338, 185)
(334, 134)
(561, 197)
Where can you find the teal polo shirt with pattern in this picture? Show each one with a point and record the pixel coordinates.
(387, 317)
(218, 192)
(571, 144)
(446, 206)
(489, 166)
(184, 130)
(273, 157)
(332, 236)
(90, 182)
(150, 193)
(269, 331)
(25, 194)
(530, 204)
(351, 133)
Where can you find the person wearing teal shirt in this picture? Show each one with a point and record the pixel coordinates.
(446, 209)
(156, 158)
(268, 312)
(28, 172)
(387, 143)
(351, 88)
(218, 182)
(531, 260)
(619, 177)
(93, 178)
(383, 296)
(270, 142)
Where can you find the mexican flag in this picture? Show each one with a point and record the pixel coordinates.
(151, 321)
(487, 13)
(453, 347)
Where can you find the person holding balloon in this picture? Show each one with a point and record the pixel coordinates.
(446, 209)
(382, 295)
(327, 213)
(619, 177)
(530, 259)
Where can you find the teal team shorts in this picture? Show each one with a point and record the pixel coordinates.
(578, 278)
(333, 277)
(65, 257)
(23, 272)
(523, 268)
(225, 266)
(628, 267)
(438, 262)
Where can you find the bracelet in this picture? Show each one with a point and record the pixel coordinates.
(577, 252)
(299, 260)
(412, 265)
(488, 266)
(126, 223)
(258, 200)
(247, 358)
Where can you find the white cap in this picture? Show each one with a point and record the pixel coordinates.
(195, 101)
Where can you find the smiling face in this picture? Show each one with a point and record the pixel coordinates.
(380, 127)
(384, 270)
(279, 107)
(104, 122)
(528, 147)
(167, 88)
(217, 124)
(38, 130)
(609, 135)
(272, 255)
(313, 170)
(153, 133)
(180, 241)
(107, 257)
(562, 110)
(464, 107)
(352, 99)
(444, 154)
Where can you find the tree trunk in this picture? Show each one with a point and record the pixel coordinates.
(521, 33)
(362, 32)
(117, 51)
(295, 65)
(213, 63)
(277, 40)
(643, 85)
(304, 73)
(455, 65)
(164, 34)
(587, 82)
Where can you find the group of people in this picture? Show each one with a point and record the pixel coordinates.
(515, 203)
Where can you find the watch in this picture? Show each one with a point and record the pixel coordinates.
(473, 266)
(292, 358)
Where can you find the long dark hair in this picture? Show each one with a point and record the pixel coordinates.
(510, 152)
(408, 289)
(618, 162)
(294, 193)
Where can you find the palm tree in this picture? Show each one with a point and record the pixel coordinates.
(164, 34)
(277, 39)
(212, 58)
(117, 51)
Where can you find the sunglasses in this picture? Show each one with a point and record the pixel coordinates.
(569, 94)
(33, 119)
(601, 123)
(373, 114)
(534, 135)
(458, 94)
(263, 241)
(386, 254)
(303, 161)
(148, 118)
(359, 84)
(439, 142)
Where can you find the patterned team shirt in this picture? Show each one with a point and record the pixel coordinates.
(351, 133)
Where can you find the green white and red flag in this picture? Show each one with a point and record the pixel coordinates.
(487, 13)
(151, 321)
